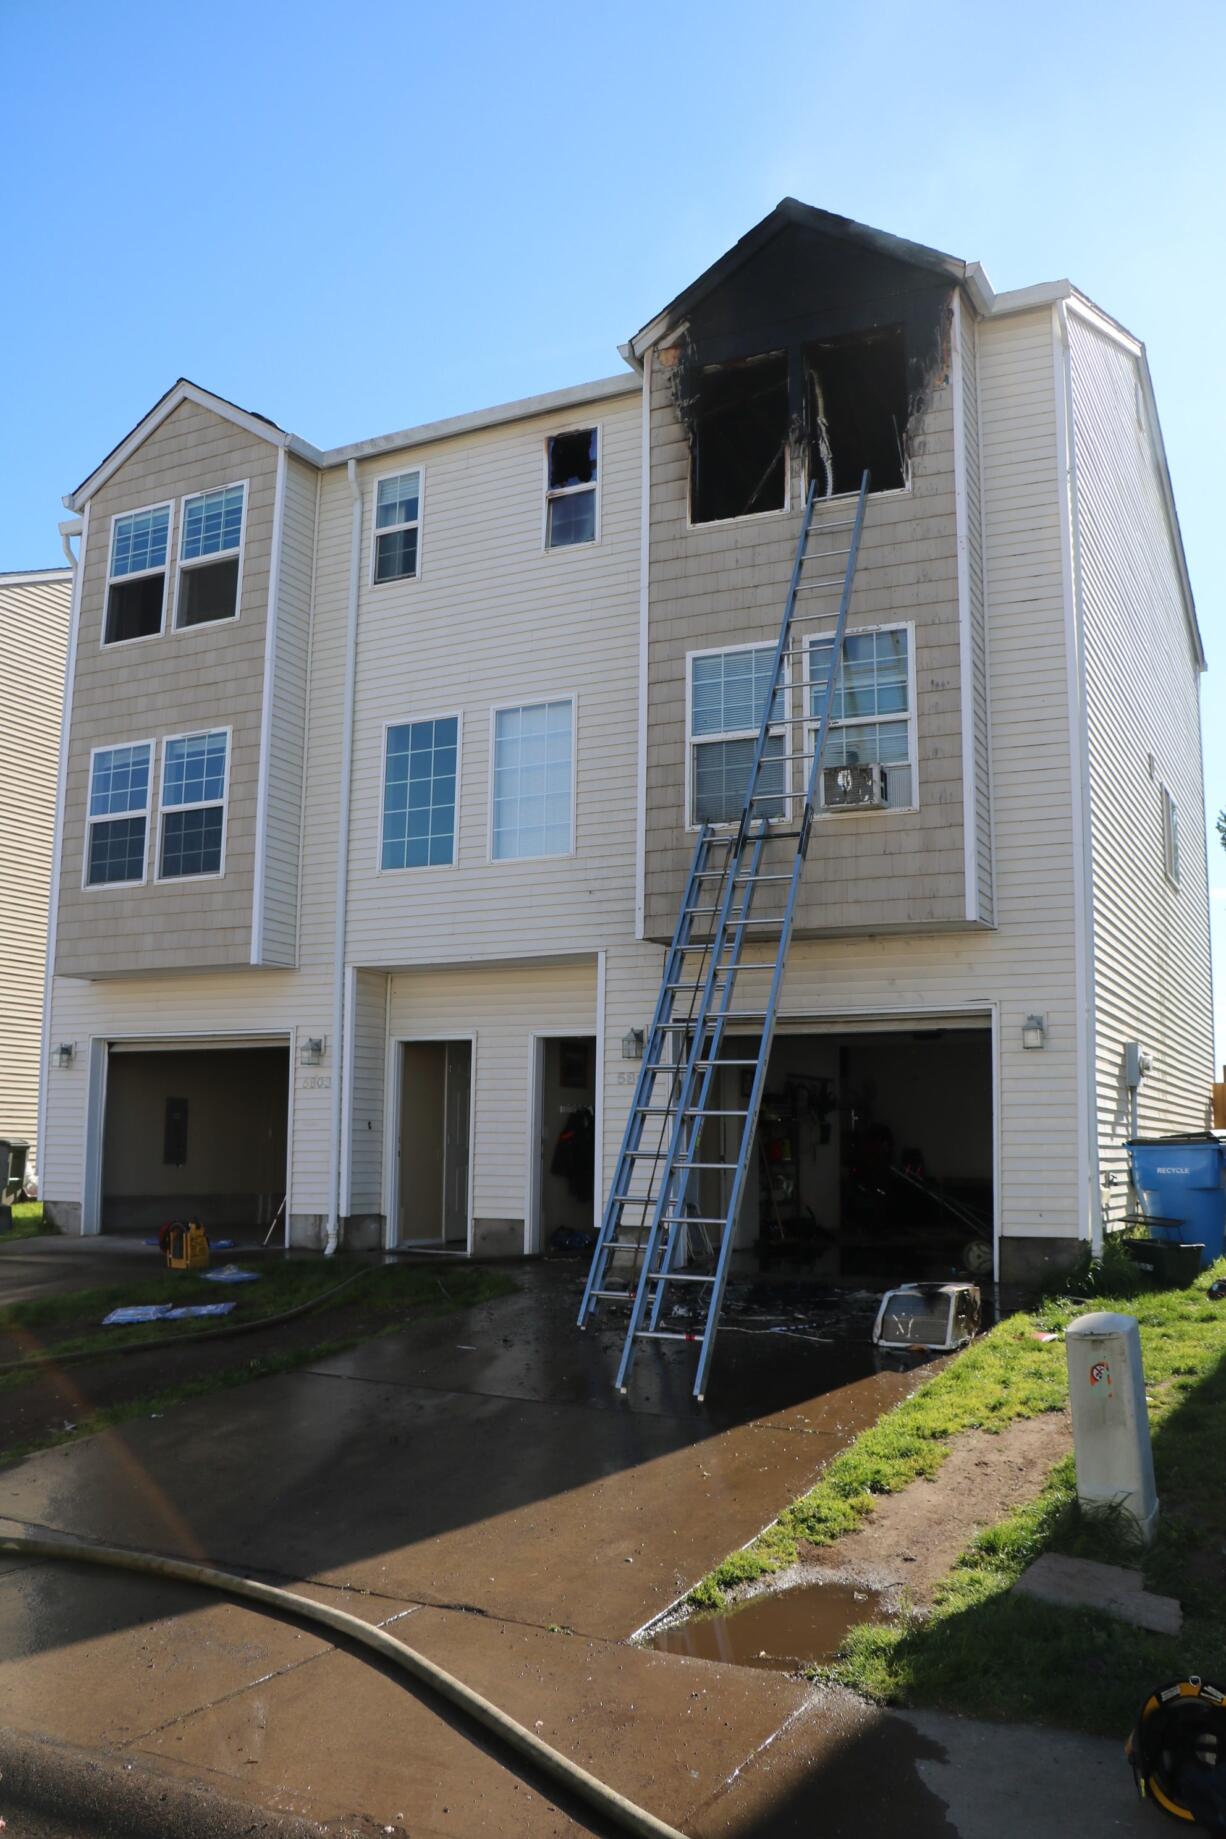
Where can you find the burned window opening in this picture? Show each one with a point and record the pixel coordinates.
(738, 421)
(858, 412)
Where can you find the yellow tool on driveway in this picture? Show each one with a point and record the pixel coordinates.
(187, 1247)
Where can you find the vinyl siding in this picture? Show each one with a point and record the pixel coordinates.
(276, 926)
(177, 682)
(493, 619)
(980, 776)
(1142, 690)
(33, 643)
(501, 1006)
(720, 584)
(366, 1113)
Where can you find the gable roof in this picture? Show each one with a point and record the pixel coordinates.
(790, 211)
(184, 390)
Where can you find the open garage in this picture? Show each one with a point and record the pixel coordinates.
(195, 1131)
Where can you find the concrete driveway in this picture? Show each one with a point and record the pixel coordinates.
(475, 1483)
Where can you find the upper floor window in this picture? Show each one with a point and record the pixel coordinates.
(727, 694)
(1170, 837)
(397, 526)
(858, 410)
(117, 823)
(570, 492)
(871, 710)
(210, 550)
(194, 778)
(533, 773)
(738, 423)
(419, 794)
(136, 578)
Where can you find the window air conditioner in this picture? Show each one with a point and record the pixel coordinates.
(855, 788)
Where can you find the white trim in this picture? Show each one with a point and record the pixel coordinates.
(549, 493)
(734, 734)
(599, 1079)
(259, 869)
(137, 574)
(115, 817)
(348, 1053)
(393, 1173)
(94, 1126)
(411, 721)
(57, 840)
(195, 804)
(413, 523)
(183, 567)
(38, 577)
(986, 604)
(537, 702)
(344, 813)
(1089, 1192)
(820, 808)
(966, 662)
(640, 793)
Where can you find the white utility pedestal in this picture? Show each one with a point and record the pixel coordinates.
(1115, 1463)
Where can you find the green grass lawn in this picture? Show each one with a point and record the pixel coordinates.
(981, 1650)
(28, 1222)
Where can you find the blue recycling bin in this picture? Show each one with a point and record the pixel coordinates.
(1182, 1184)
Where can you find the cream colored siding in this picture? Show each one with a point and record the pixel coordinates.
(1142, 686)
(276, 925)
(717, 584)
(982, 777)
(33, 642)
(365, 1193)
(501, 1006)
(207, 676)
(493, 619)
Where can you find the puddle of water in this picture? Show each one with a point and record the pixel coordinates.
(790, 1629)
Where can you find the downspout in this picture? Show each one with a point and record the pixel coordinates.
(339, 1095)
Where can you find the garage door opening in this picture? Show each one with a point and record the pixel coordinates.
(873, 1157)
(195, 1133)
(435, 1144)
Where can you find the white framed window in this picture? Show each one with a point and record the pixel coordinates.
(136, 574)
(396, 547)
(872, 714)
(572, 461)
(725, 698)
(195, 781)
(421, 775)
(211, 528)
(117, 823)
(532, 801)
(1170, 837)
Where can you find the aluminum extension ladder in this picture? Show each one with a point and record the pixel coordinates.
(741, 890)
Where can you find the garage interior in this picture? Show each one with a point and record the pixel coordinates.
(195, 1132)
(872, 1161)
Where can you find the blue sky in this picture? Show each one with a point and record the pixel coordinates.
(356, 218)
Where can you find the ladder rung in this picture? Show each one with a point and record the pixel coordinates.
(612, 1296)
(664, 1334)
(811, 555)
(676, 1277)
(704, 1064)
(685, 1163)
(818, 587)
(693, 1219)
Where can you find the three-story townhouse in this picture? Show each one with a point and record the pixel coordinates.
(383, 765)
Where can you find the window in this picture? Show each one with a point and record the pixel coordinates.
(118, 815)
(193, 804)
(570, 493)
(858, 411)
(738, 423)
(533, 779)
(870, 713)
(1170, 837)
(727, 694)
(136, 582)
(210, 542)
(419, 794)
(397, 524)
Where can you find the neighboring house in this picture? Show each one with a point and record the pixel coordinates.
(33, 644)
(384, 765)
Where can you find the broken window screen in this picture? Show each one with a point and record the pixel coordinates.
(739, 440)
(570, 515)
(858, 411)
(870, 712)
(728, 691)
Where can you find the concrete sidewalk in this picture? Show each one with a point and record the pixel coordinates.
(475, 1484)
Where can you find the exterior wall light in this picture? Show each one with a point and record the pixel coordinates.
(311, 1052)
(1034, 1031)
(65, 1054)
(633, 1044)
